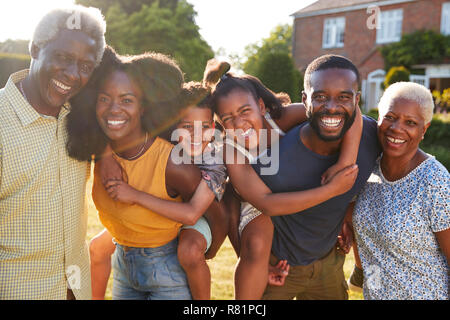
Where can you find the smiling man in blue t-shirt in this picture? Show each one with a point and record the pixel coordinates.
(307, 239)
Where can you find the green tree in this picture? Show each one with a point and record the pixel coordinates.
(128, 6)
(276, 70)
(162, 29)
(279, 40)
(271, 61)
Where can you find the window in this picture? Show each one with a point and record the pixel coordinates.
(420, 79)
(389, 26)
(445, 18)
(333, 32)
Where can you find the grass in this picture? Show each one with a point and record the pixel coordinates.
(222, 266)
(441, 153)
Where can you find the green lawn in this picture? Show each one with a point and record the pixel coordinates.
(222, 266)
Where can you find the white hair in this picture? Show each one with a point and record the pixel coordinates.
(409, 91)
(76, 17)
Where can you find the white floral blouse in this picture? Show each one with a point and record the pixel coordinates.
(394, 224)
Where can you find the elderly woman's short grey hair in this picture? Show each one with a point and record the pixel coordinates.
(76, 17)
(410, 91)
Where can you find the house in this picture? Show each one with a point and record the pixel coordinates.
(356, 28)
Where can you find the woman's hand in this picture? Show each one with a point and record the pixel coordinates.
(344, 180)
(122, 191)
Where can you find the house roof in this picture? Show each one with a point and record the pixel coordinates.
(333, 6)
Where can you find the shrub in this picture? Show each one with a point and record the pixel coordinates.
(441, 154)
(10, 63)
(439, 132)
(437, 139)
(422, 46)
(442, 100)
(373, 113)
(396, 74)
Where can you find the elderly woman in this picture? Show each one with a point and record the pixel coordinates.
(401, 218)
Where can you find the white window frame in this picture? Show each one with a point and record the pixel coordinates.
(445, 18)
(376, 77)
(420, 79)
(335, 28)
(389, 27)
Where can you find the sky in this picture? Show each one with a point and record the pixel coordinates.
(18, 17)
(228, 24)
(233, 24)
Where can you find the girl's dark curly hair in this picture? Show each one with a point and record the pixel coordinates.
(223, 82)
(195, 94)
(198, 94)
(161, 81)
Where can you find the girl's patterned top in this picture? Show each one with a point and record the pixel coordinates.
(213, 170)
(395, 224)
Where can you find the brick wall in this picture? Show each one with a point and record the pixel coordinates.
(360, 42)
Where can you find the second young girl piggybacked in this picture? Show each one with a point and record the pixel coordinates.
(246, 108)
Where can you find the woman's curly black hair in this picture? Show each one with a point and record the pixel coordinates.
(223, 82)
(161, 81)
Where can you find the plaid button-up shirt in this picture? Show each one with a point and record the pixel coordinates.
(43, 210)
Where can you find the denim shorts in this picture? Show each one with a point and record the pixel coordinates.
(149, 274)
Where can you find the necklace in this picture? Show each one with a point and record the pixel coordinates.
(139, 153)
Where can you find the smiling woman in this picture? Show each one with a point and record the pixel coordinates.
(155, 97)
(401, 218)
(128, 98)
(119, 110)
(405, 113)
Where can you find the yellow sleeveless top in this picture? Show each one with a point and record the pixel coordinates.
(133, 225)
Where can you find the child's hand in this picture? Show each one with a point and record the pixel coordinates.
(344, 180)
(121, 191)
(278, 273)
(330, 173)
(110, 169)
(345, 239)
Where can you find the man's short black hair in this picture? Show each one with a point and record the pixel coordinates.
(328, 61)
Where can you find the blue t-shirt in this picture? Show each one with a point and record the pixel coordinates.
(307, 236)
